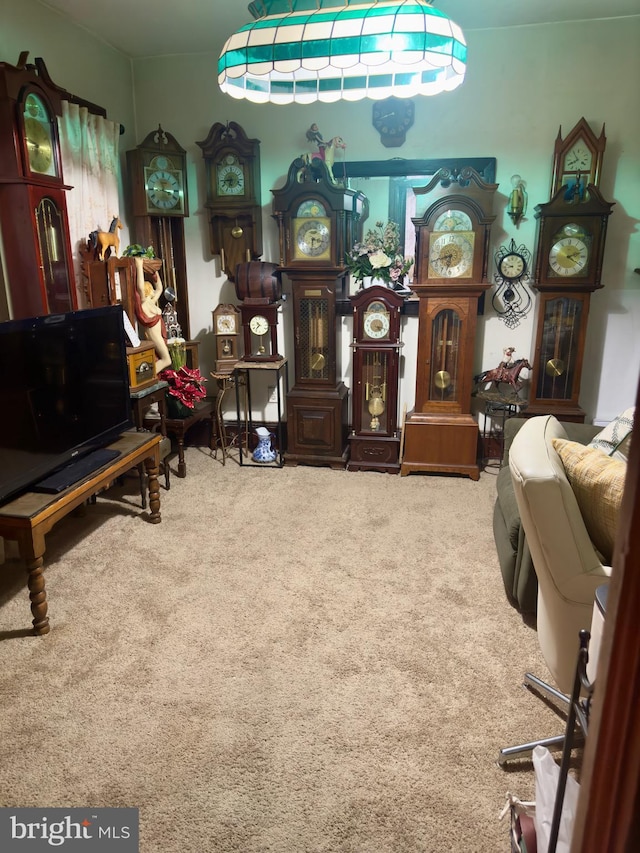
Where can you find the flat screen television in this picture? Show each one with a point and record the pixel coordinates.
(65, 392)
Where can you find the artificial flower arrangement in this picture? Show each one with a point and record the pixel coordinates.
(379, 255)
(186, 386)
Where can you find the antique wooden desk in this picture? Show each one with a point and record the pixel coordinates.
(27, 519)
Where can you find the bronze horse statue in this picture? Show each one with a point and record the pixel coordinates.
(508, 373)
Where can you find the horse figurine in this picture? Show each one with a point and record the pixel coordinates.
(326, 152)
(508, 373)
(100, 241)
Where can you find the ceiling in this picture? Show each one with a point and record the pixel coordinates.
(145, 28)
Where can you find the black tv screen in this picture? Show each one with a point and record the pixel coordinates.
(65, 392)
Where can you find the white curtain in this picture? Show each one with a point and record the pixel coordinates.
(90, 164)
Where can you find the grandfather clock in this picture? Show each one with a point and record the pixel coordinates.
(34, 226)
(315, 219)
(452, 249)
(158, 182)
(374, 444)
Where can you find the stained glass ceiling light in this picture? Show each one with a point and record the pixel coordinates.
(302, 51)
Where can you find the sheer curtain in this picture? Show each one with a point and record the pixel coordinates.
(90, 163)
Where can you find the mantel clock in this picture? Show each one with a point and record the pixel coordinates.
(226, 328)
(157, 171)
(34, 224)
(316, 221)
(452, 251)
(577, 161)
(232, 163)
(374, 443)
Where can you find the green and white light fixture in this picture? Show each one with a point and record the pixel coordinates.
(302, 51)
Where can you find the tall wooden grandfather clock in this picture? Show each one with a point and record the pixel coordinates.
(158, 180)
(34, 226)
(316, 220)
(452, 249)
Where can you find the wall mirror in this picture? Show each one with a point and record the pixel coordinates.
(388, 186)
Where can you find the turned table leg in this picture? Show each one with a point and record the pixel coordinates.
(38, 596)
(182, 465)
(152, 468)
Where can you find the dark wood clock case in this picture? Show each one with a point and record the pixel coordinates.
(374, 442)
(235, 221)
(33, 209)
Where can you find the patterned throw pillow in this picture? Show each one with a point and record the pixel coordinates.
(597, 481)
(615, 438)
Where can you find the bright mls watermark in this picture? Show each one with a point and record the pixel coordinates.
(80, 830)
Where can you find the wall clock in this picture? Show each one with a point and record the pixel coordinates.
(316, 222)
(511, 300)
(392, 118)
(452, 240)
(34, 225)
(232, 165)
(577, 161)
(570, 243)
(226, 327)
(159, 200)
(374, 443)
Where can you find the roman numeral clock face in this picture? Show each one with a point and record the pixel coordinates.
(569, 253)
(163, 186)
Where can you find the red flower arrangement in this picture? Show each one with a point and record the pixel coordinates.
(185, 385)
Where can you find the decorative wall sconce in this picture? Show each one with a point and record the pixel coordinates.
(517, 200)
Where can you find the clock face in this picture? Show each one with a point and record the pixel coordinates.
(579, 158)
(39, 136)
(312, 238)
(376, 321)
(230, 179)
(569, 256)
(226, 324)
(164, 188)
(451, 254)
(392, 118)
(259, 325)
(512, 266)
(453, 220)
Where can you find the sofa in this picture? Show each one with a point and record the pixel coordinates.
(516, 565)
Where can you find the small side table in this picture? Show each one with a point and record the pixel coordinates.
(178, 428)
(243, 370)
(497, 409)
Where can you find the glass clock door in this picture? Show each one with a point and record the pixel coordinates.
(53, 257)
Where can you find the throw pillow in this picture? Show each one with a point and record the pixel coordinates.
(615, 438)
(597, 481)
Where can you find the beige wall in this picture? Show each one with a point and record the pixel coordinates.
(521, 86)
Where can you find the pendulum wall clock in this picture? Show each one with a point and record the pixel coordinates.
(570, 241)
(232, 163)
(374, 443)
(34, 227)
(315, 222)
(158, 184)
(452, 242)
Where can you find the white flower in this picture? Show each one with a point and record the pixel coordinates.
(379, 259)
